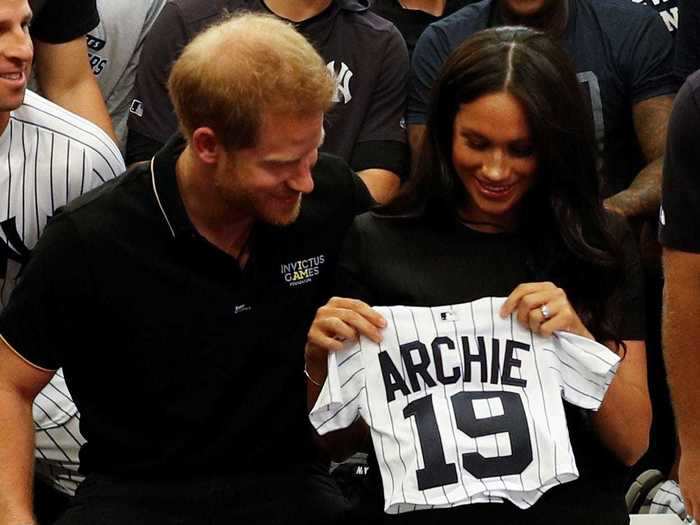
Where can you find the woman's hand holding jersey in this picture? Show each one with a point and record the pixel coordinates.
(544, 308)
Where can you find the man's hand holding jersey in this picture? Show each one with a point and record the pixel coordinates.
(339, 320)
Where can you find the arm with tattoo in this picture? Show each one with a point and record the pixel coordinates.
(643, 195)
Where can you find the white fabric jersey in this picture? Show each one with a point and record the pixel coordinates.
(667, 499)
(48, 156)
(57, 435)
(464, 407)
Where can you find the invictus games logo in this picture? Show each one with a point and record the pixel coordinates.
(302, 271)
(342, 81)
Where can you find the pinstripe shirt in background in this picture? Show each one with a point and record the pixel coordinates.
(48, 157)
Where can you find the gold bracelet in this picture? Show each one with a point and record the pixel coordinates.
(313, 381)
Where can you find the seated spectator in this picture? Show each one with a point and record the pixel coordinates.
(153, 293)
(62, 73)
(622, 54)
(505, 202)
(411, 17)
(365, 53)
(114, 49)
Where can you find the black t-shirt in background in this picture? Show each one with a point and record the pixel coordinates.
(363, 51)
(668, 10)
(412, 22)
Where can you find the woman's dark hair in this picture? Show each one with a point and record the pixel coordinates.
(562, 214)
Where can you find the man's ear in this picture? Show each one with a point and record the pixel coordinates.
(206, 145)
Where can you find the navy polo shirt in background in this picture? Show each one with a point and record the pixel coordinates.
(181, 364)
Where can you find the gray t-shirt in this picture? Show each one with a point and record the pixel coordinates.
(114, 49)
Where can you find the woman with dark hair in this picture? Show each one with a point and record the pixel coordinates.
(505, 201)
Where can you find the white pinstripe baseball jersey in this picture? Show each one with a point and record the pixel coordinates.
(667, 499)
(464, 406)
(48, 156)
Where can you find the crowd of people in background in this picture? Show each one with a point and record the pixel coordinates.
(202, 200)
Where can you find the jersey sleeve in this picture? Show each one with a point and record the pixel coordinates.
(100, 164)
(382, 140)
(60, 21)
(680, 200)
(151, 112)
(587, 368)
(47, 308)
(340, 401)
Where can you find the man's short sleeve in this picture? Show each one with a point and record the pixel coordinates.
(151, 113)
(431, 51)
(648, 57)
(680, 200)
(60, 21)
(384, 123)
(47, 308)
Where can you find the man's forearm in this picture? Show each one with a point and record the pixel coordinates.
(84, 99)
(681, 333)
(65, 78)
(16, 459)
(643, 196)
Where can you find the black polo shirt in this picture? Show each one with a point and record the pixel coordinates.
(181, 364)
